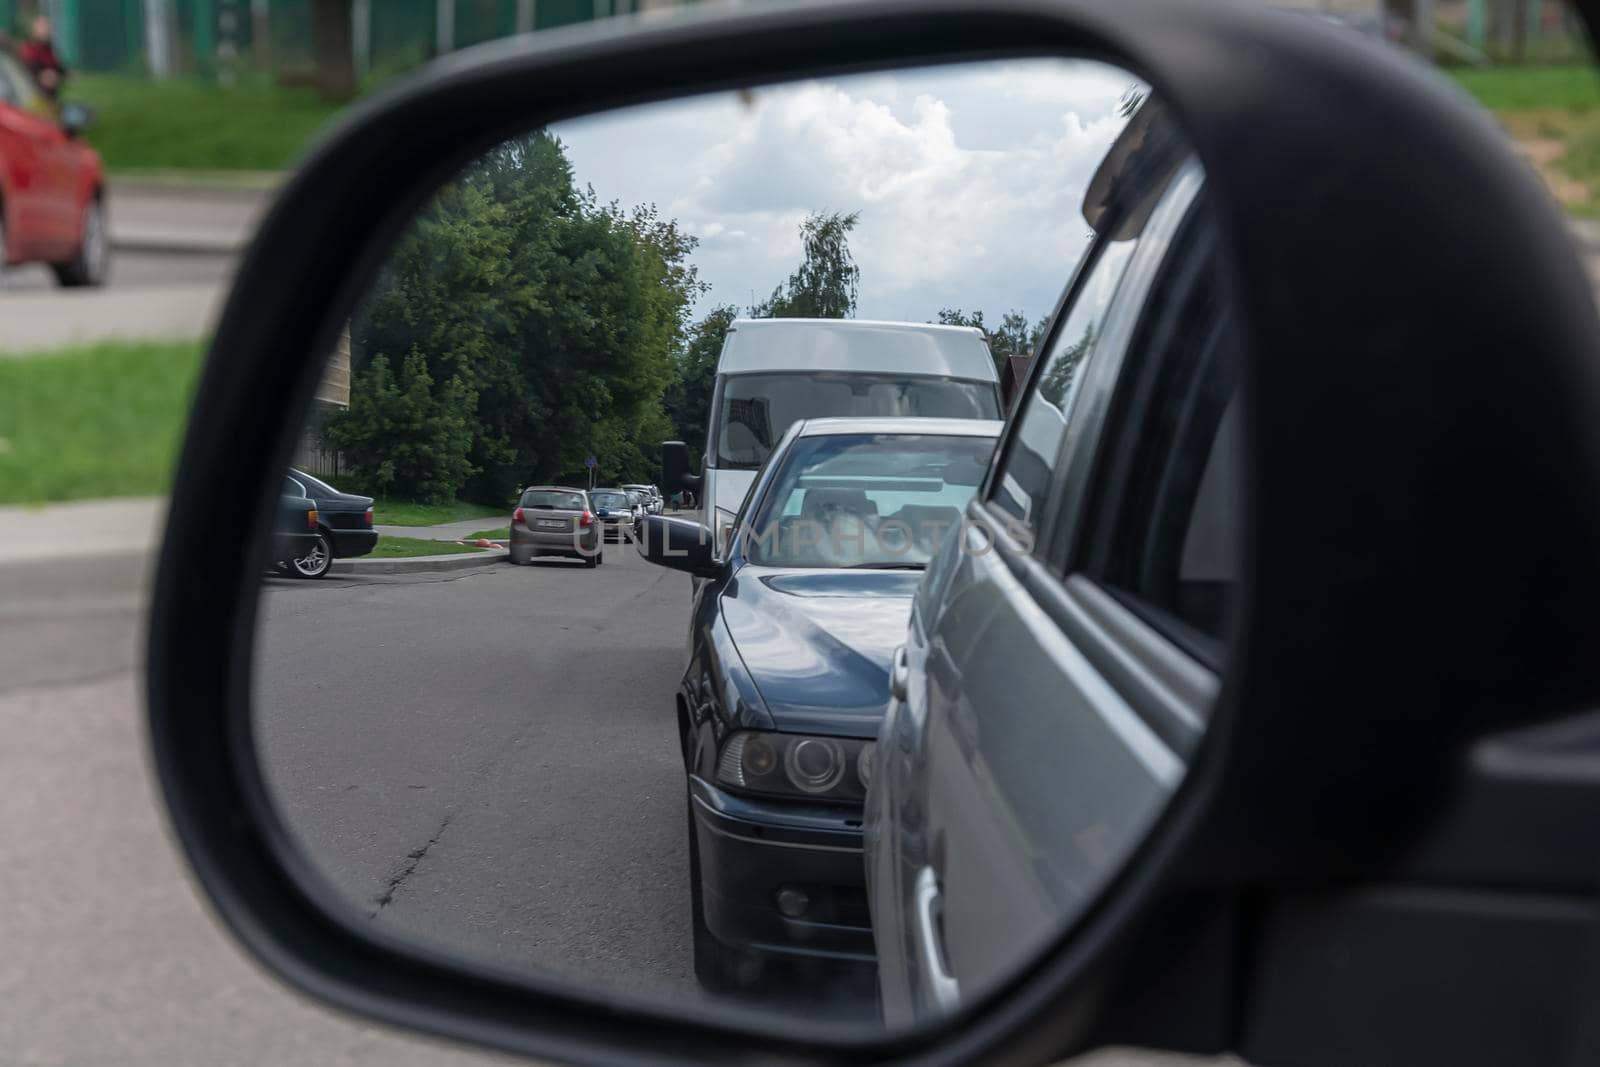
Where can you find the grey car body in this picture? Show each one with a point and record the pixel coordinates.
(554, 520)
(1058, 670)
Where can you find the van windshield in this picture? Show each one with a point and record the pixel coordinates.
(757, 409)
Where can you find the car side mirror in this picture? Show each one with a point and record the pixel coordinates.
(675, 467)
(1367, 786)
(75, 118)
(680, 544)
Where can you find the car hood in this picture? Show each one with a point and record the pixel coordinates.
(818, 643)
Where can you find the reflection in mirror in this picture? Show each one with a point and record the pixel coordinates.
(535, 690)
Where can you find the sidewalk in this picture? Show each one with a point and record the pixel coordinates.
(447, 531)
(87, 528)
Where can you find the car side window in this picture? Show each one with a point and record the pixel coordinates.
(1166, 533)
(1022, 483)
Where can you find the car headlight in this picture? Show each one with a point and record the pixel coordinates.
(831, 768)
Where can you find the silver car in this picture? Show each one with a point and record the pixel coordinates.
(1063, 655)
(553, 520)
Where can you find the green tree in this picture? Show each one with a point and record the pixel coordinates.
(403, 437)
(825, 284)
(562, 316)
(688, 398)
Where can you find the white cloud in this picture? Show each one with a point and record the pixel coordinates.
(968, 179)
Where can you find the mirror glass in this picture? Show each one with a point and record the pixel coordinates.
(932, 337)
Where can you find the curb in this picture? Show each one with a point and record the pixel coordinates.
(166, 241)
(1587, 232)
(418, 564)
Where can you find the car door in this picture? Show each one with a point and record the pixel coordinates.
(33, 153)
(1058, 719)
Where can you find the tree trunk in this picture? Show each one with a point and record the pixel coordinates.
(330, 29)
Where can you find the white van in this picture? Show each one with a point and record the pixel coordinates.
(773, 372)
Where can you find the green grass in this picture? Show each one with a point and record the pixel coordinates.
(1571, 88)
(490, 535)
(386, 512)
(95, 421)
(1554, 113)
(141, 124)
(401, 547)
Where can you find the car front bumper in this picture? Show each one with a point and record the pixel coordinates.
(751, 849)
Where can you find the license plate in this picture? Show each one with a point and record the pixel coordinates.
(552, 524)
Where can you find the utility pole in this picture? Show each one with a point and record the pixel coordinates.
(361, 36)
(261, 33)
(158, 38)
(444, 27)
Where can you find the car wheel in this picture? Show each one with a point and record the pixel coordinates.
(592, 561)
(317, 560)
(599, 558)
(718, 968)
(93, 261)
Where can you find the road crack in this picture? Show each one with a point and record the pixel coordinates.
(413, 859)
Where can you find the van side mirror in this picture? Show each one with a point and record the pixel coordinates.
(675, 467)
(679, 544)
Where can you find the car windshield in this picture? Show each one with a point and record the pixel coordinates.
(756, 409)
(865, 500)
(634, 498)
(553, 499)
(608, 500)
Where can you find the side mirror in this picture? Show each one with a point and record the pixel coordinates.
(675, 467)
(679, 544)
(75, 118)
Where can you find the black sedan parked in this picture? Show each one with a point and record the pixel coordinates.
(344, 526)
(791, 637)
(294, 527)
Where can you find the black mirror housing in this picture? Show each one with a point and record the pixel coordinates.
(679, 544)
(675, 473)
(1318, 807)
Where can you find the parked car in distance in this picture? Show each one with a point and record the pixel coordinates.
(344, 525)
(653, 504)
(52, 184)
(294, 529)
(614, 512)
(554, 520)
(636, 500)
(1059, 670)
(790, 643)
(773, 372)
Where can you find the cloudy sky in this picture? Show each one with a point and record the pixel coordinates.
(968, 179)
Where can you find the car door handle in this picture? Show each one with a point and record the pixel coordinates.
(899, 674)
(941, 984)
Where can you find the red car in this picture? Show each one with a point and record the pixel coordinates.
(52, 185)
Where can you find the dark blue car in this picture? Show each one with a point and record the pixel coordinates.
(791, 638)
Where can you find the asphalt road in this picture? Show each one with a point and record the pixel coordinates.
(489, 760)
(107, 953)
(133, 270)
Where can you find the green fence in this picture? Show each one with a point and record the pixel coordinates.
(110, 35)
